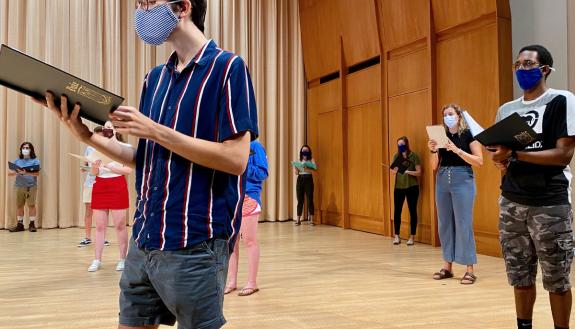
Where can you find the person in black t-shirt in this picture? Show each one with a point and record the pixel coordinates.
(455, 193)
(535, 208)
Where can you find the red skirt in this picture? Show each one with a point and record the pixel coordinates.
(110, 193)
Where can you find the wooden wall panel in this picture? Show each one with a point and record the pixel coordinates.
(325, 97)
(449, 13)
(329, 151)
(408, 116)
(404, 21)
(408, 73)
(320, 36)
(363, 86)
(360, 37)
(477, 91)
(365, 160)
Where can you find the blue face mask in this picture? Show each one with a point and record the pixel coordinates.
(528, 79)
(305, 154)
(450, 121)
(402, 148)
(154, 26)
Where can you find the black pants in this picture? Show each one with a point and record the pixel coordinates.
(304, 187)
(399, 195)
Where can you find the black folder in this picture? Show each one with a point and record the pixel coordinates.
(401, 164)
(32, 77)
(13, 166)
(513, 132)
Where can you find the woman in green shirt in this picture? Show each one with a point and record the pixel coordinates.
(304, 188)
(406, 186)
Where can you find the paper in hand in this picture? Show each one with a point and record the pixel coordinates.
(474, 127)
(438, 134)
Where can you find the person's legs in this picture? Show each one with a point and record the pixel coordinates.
(88, 220)
(398, 199)
(249, 236)
(300, 193)
(445, 220)
(552, 234)
(101, 218)
(520, 257)
(412, 197)
(463, 197)
(233, 266)
(119, 217)
(309, 194)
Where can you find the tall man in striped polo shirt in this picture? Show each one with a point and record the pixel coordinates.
(196, 118)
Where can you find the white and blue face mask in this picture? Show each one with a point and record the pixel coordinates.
(451, 121)
(155, 25)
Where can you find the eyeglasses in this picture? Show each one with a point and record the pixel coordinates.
(145, 4)
(525, 65)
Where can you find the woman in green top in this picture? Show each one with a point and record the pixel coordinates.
(406, 185)
(303, 169)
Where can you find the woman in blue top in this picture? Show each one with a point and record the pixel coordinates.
(257, 173)
(26, 185)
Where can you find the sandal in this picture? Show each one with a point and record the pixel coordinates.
(468, 278)
(442, 274)
(248, 291)
(229, 289)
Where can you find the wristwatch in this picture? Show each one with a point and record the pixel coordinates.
(513, 156)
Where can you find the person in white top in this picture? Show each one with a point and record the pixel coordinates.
(110, 195)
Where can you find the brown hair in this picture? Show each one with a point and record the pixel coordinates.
(461, 123)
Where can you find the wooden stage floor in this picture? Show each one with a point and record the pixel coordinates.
(310, 277)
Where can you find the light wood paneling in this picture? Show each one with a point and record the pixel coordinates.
(408, 73)
(363, 86)
(329, 151)
(325, 97)
(403, 22)
(360, 38)
(304, 278)
(320, 37)
(449, 13)
(408, 116)
(364, 161)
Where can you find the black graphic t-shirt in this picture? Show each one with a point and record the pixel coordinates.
(552, 116)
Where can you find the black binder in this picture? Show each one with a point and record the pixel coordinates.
(32, 77)
(513, 132)
(401, 164)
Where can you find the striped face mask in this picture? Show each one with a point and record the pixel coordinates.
(154, 26)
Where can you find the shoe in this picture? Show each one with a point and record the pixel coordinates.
(409, 242)
(297, 223)
(18, 228)
(310, 222)
(85, 242)
(96, 264)
(396, 240)
(120, 266)
(106, 243)
(32, 227)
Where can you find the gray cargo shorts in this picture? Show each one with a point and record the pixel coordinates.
(160, 287)
(528, 234)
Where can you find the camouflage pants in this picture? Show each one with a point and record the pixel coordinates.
(528, 234)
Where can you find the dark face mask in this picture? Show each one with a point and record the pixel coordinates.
(401, 148)
(305, 154)
(108, 133)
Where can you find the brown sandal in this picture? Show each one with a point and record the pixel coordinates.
(468, 278)
(228, 290)
(442, 274)
(248, 291)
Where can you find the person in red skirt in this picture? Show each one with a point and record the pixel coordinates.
(110, 196)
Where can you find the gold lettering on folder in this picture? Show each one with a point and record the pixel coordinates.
(89, 93)
(524, 138)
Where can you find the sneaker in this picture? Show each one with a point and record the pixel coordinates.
(106, 243)
(120, 266)
(409, 242)
(96, 264)
(32, 227)
(18, 228)
(85, 242)
(310, 222)
(396, 240)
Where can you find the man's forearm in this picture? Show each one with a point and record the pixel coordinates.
(552, 157)
(230, 156)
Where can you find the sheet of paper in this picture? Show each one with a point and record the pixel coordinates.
(474, 127)
(438, 134)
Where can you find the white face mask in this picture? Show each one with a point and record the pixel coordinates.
(25, 152)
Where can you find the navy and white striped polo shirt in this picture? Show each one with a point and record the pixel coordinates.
(181, 204)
